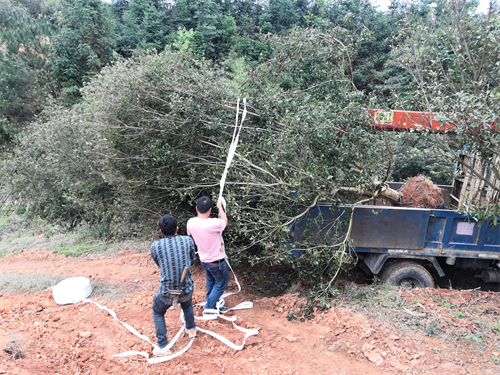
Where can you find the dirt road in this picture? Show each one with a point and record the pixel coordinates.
(81, 339)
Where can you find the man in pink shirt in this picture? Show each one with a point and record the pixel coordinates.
(207, 234)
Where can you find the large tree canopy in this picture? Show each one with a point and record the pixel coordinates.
(152, 134)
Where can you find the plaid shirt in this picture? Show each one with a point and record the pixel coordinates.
(172, 255)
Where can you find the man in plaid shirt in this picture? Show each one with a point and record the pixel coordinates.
(172, 254)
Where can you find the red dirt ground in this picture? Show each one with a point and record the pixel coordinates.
(337, 341)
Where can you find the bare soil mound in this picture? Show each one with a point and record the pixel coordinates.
(419, 192)
(81, 339)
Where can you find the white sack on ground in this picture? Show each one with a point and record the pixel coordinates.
(72, 290)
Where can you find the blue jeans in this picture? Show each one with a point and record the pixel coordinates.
(160, 305)
(217, 278)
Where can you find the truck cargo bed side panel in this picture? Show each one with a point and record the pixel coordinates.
(456, 234)
(389, 228)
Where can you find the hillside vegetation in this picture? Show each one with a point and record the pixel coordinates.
(114, 114)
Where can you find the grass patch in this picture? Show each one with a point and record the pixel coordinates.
(64, 243)
(4, 220)
(35, 282)
(20, 231)
(78, 250)
(385, 303)
(388, 304)
(376, 301)
(107, 291)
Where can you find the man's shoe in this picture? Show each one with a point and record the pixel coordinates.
(191, 332)
(161, 352)
(223, 310)
(210, 314)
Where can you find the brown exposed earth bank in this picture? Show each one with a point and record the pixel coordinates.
(81, 339)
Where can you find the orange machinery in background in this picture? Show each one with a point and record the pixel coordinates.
(466, 183)
(406, 121)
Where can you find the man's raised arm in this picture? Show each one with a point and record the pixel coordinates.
(221, 211)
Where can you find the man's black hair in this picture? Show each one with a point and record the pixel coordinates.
(203, 204)
(168, 225)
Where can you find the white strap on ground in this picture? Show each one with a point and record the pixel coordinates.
(162, 358)
(243, 305)
(127, 326)
(247, 332)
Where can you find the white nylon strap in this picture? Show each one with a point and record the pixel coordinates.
(230, 155)
(162, 358)
(242, 306)
(248, 333)
(234, 143)
(237, 283)
(127, 326)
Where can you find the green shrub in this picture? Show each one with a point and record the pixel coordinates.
(152, 134)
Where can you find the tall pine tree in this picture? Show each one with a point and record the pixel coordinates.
(83, 46)
(24, 53)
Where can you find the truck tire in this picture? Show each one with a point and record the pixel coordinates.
(407, 274)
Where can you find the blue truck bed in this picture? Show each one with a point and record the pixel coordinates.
(380, 233)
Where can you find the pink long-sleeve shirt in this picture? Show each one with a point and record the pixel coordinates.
(207, 234)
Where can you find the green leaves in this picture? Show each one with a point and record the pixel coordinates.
(83, 46)
(452, 61)
(23, 70)
(152, 133)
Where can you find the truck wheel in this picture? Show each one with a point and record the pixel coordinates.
(407, 274)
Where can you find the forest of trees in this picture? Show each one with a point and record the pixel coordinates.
(111, 114)
(58, 45)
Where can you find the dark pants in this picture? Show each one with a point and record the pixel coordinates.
(160, 305)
